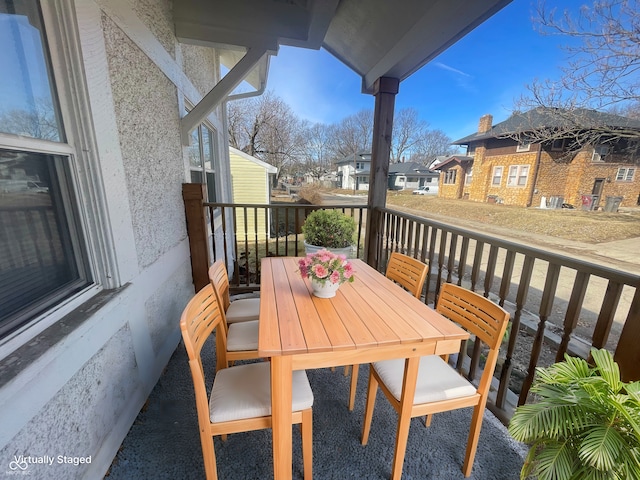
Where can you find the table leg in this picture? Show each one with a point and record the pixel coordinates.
(281, 375)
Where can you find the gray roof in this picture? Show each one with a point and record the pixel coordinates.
(452, 161)
(361, 156)
(540, 117)
(412, 168)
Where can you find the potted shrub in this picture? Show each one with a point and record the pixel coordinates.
(585, 423)
(329, 229)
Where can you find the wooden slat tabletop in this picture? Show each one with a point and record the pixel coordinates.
(371, 311)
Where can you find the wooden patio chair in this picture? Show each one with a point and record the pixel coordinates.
(408, 272)
(241, 336)
(240, 310)
(240, 398)
(440, 387)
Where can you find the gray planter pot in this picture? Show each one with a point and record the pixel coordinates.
(338, 251)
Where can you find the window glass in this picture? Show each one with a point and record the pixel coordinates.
(28, 103)
(202, 155)
(40, 242)
(450, 176)
(497, 176)
(518, 175)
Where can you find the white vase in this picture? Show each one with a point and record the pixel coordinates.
(346, 251)
(328, 290)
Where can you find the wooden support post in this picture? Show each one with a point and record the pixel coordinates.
(627, 352)
(193, 195)
(385, 90)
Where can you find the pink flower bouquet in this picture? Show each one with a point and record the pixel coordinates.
(324, 266)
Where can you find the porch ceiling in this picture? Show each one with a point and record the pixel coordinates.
(375, 38)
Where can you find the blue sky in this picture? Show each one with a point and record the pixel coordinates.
(482, 73)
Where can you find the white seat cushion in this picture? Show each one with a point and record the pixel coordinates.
(436, 380)
(243, 310)
(245, 392)
(243, 336)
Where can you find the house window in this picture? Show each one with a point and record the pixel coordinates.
(468, 176)
(599, 153)
(524, 145)
(43, 252)
(558, 144)
(496, 178)
(360, 165)
(450, 177)
(625, 174)
(363, 180)
(471, 151)
(202, 152)
(518, 175)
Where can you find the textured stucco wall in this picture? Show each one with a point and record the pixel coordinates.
(164, 307)
(75, 422)
(158, 17)
(146, 107)
(200, 66)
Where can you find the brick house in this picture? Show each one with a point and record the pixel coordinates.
(500, 169)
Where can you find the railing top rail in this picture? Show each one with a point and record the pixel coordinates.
(284, 204)
(576, 264)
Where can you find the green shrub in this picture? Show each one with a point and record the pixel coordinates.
(329, 228)
(585, 423)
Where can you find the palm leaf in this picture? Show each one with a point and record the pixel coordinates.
(555, 461)
(607, 368)
(602, 447)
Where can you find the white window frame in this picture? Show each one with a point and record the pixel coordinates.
(498, 172)
(450, 177)
(625, 174)
(68, 72)
(518, 176)
(524, 145)
(468, 176)
(599, 153)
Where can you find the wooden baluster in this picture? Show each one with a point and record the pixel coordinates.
(429, 260)
(521, 299)
(268, 231)
(410, 238)
(286, 231)
(490, 272)
(475, 359)
(607, 314)
(462, 263)
(453, 246)
(477, 263)
(245, 213)
(225, 250)
(441, 252)
(546, 304)
(277, 224)
(574, 308)
(507, 273)
(627, 352)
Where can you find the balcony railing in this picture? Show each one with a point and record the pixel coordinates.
(558, 304)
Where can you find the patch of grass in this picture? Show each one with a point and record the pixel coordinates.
(576, 225)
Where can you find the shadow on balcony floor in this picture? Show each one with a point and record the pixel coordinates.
(164, 441)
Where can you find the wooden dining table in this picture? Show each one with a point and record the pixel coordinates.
(370, 319)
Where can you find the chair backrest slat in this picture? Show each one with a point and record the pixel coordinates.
(219, 278)
(409, 272)
(486, 320)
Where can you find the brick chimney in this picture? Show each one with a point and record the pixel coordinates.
(486, 122)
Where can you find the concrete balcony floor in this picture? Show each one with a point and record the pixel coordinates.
(164, 441)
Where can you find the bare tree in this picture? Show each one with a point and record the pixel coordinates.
(352, 135)
(602, 72)
(267, 128)
(408, 131)
(37, 122)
